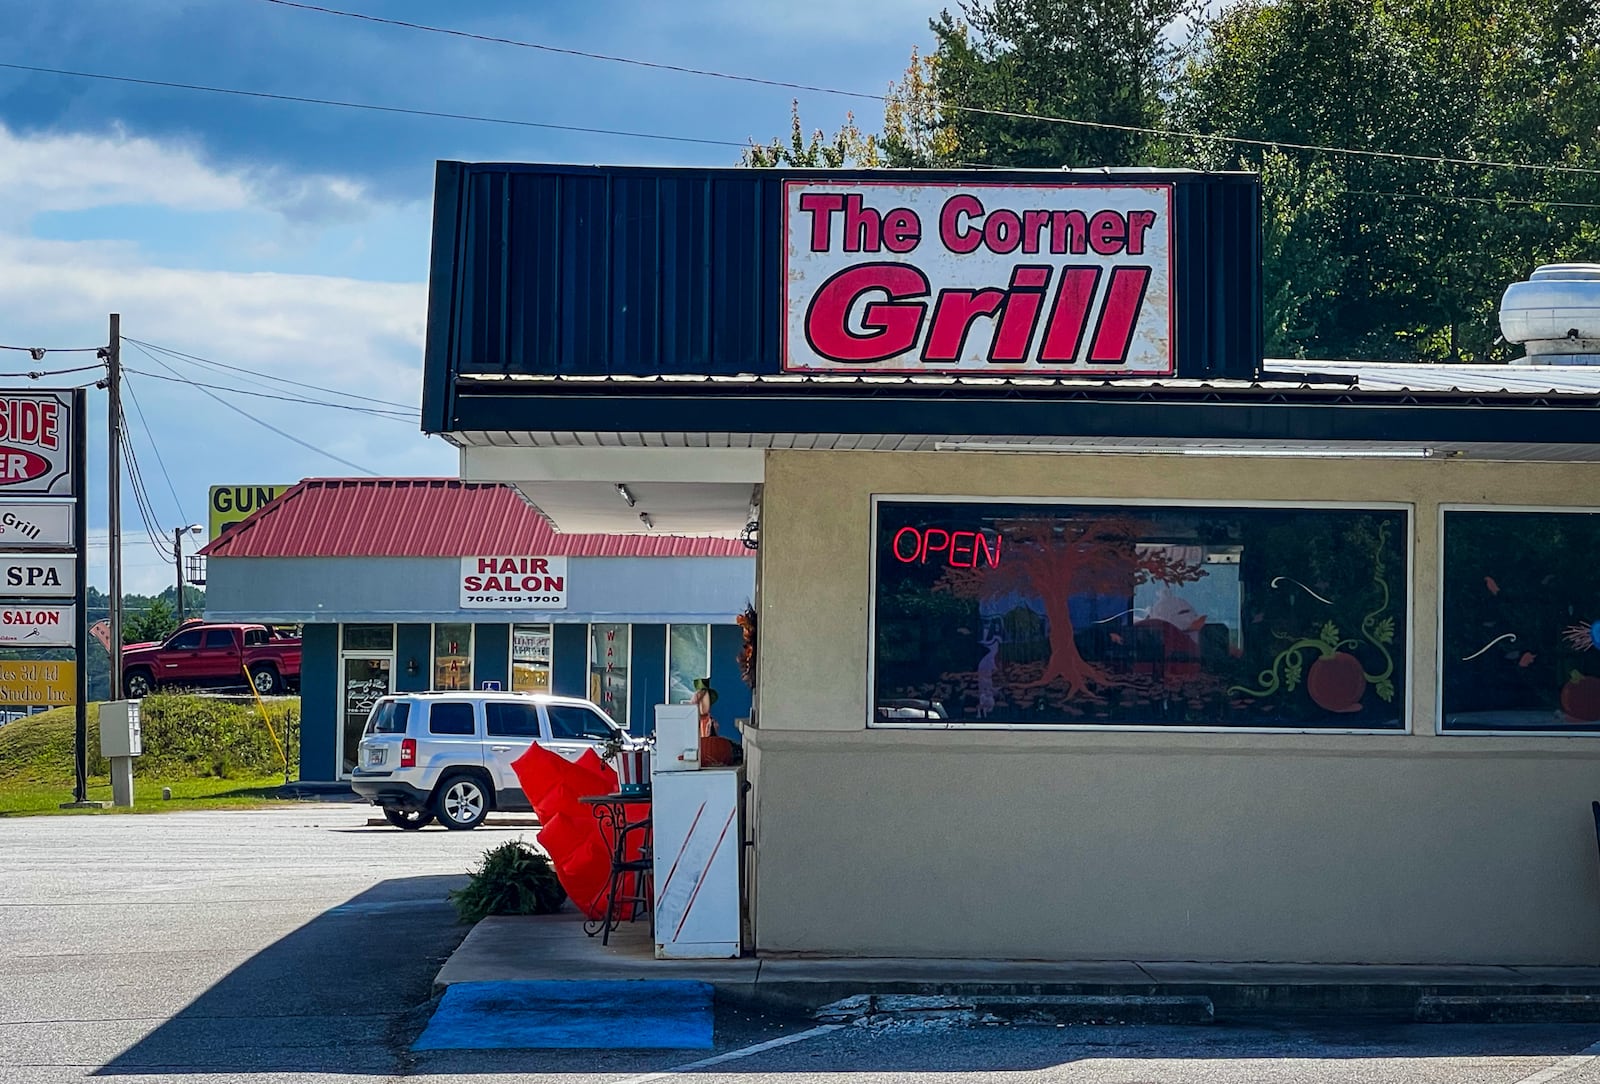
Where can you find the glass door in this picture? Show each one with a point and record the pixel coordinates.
(367, 678)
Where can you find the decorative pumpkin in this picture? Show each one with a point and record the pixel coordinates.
(1336, 682)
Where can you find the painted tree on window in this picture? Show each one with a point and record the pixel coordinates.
(1055, 560)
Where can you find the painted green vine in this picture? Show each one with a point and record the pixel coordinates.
(1375, 629)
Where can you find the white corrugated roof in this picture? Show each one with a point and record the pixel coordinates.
(1416, 376)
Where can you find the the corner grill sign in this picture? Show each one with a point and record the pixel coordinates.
(1025, 279)
(513, 583)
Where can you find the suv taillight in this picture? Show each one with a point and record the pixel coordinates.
(408, 753)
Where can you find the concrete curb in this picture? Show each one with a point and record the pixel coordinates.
(1510, 1009)
(872, 1010)
(554, 947)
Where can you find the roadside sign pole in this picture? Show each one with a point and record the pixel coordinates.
(80, 528)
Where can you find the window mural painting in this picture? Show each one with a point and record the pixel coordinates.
(1520, 648)
(1140, 615)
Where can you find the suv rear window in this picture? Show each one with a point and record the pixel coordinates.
(390, 717)
(451, 719)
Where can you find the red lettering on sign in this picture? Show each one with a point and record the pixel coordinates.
(1124, 299)
(892, 326)
(935, 545)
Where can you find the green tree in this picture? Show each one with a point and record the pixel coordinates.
(846, 147)
(156, 622)
(1108, 62)
(1385, 257)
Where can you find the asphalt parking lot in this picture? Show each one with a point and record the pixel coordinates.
(299, 944)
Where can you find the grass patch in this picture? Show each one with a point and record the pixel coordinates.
(211, 753)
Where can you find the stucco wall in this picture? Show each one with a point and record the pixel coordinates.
(1096, 845)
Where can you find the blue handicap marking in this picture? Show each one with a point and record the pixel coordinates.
(617, 1014)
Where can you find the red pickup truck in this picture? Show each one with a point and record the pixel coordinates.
(205, 655)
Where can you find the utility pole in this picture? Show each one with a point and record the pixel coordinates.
(114, 501)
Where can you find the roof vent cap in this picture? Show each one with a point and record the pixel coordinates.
(1555, 315)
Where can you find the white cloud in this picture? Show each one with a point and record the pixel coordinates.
(334, 333)
(76, 171)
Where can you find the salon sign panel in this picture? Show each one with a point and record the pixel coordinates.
(513, 582)
(1065, 279)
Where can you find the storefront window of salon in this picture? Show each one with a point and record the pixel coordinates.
(688, 657)
(530, 658)
(1140, 615)
(366, 669)
(452, 658)
(1520, 636)
(608, 669)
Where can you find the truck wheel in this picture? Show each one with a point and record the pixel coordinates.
(409, 819)
(138, 685)
(460, 801)
(265, 679)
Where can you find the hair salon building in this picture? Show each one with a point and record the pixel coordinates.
(418, 584)
(1083, 632)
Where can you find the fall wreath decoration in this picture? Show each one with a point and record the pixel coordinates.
(747, 654)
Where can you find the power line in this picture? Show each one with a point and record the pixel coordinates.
(390, 415)
(972, 109)
(439, 115)
(160, 462)
(196, 358)
(264, 424)
(35, 374)
(152, 524)
(39, 352)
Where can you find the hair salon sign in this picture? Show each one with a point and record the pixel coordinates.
(1042, 279)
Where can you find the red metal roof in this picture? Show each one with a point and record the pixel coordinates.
(430, 517)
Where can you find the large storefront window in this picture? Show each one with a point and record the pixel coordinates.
(608, 669)
(1520, 637)
(1139, 615)
(530, 658)
(452, 658)
(688, 657)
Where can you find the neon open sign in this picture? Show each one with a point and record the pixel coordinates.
(937, 546)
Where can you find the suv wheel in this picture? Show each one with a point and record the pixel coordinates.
(460, 802)
(265, 679)
(409, 819)
(138, 685)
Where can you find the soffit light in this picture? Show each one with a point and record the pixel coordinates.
(622, 491)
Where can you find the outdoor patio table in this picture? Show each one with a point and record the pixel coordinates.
(624, 821)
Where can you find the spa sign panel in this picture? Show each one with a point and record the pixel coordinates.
(1065, 279)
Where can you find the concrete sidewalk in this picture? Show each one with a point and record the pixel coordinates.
(555, 947)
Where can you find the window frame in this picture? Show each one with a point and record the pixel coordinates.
(511, 655)
(667, 675)
(1407, 509)
(470, 655)
(627, 669)
(1439, 729)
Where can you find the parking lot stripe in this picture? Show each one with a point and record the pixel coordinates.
(734, 1055)
(1564, 1066)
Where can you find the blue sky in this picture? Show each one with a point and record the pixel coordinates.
(293, 239)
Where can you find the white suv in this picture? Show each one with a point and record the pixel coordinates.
(449, 755)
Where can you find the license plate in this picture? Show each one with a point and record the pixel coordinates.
(374, 757)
